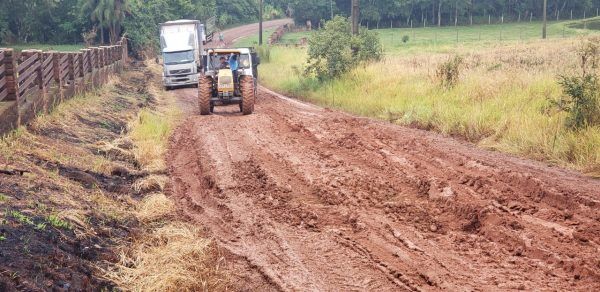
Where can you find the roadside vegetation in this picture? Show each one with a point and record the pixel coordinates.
(82, 205)
(170, 254)
(499, 95)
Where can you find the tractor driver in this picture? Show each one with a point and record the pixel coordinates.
(223, 64)
(234, 64)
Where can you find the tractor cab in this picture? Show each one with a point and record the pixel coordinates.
(229, 75)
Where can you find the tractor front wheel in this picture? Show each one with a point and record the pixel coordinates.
(204, 94)
(248, 94)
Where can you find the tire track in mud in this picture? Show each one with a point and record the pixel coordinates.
(304, 198)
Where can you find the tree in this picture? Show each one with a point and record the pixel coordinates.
(313, 10)
(141, 24)
(95, 8)
(333, 50)
(109, 14)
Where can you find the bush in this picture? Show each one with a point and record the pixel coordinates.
(448, 73)
(369, 46)
(582, 93)
(333, 50)
(580, 101)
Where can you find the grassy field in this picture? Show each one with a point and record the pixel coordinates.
(45, 47)
(501, 102)
(446, 39)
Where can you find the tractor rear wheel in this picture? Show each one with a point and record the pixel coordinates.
(204, 94)
(248, 94)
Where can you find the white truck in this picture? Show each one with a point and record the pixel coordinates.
(181, 43)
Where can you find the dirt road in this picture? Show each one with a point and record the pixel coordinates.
(304, 198)
(232, 35)
(314, 199)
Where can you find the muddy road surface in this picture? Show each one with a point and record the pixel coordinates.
(310, 199)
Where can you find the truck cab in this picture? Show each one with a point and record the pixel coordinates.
(181, 43)
(180, 66)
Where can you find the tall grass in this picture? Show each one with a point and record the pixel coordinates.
(170, 254)
(501, 101)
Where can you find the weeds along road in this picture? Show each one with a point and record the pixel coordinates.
(304, 198)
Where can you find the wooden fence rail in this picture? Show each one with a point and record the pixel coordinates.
(36, 81)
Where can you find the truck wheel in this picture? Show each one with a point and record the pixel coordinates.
(204, 94)
(248, 94)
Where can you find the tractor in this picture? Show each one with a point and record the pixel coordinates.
(229, 77)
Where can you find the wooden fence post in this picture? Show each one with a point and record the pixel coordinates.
(38, 71)
(71, 74)
(124, 51)
(57, 79)
(42, 84)
(10, 71)
(77, 72)
(119, 55)
(114, 58)
(85, 67)
(103, 64)
(94, 65)
(49, 74)
(80, 73)
(9, 108)
(28, 82)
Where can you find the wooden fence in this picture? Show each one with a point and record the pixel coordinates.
(37, 81)
(277, 35)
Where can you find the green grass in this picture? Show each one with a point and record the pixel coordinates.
(44, 47)
(448, 38)
(501, 101)
(56, 222)
(20, 217)
(294, 38)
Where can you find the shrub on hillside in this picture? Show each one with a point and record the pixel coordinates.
(582, 93)
(333, 50)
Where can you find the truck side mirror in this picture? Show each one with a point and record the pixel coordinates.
(255, 59)
(204, 62)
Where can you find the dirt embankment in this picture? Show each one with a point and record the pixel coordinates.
(304, 198)
(62, 218)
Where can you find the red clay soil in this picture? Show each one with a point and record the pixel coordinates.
(305, 198)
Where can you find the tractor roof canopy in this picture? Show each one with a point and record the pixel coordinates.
(229, 51)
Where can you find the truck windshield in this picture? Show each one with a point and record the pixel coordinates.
(178, 57)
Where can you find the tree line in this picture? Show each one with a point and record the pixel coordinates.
(103, 21)
(440, 12)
